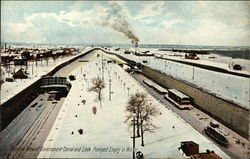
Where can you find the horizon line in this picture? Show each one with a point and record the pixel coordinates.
(94, 43)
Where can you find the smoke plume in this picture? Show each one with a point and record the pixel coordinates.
(117, 21)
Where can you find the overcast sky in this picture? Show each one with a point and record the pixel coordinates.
(159, 22)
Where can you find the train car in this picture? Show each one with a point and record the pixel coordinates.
(160, 89)
(155, 86)
(148, 82)
(218, 135)
(179, 99)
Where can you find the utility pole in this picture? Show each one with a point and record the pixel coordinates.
(8, 67)
(32, 66)
(109, 88)
(133, 122)
(102, 69)
(27, 65)
(193, 74)
(128, 91)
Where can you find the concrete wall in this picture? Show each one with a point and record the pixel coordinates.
(227, 112)
(14, 106)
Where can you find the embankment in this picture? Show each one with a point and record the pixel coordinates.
(227, 112)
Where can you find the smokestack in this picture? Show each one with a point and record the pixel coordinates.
(117, 21)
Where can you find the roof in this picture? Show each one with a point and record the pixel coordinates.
(5, 54)
(179, 94)
(211, 155)
(156, 86)
(20, 74)
(190, 143)
(148, 82)
(161, 89)
(20, 71)
(18, 58)
(220, 131)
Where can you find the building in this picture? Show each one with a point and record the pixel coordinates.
(20, 74)
(19, 60)
(206, 155)
(189, 147)
(27, 54)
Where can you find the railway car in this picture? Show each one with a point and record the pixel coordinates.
(160, 89)
(213, 130)
(179, 99)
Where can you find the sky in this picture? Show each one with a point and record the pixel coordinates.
(225, 23)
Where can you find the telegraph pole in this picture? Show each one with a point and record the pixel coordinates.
(109, 88)
(128, 91)
(102, 69)
(193, 74)
(32, 67)
(8, 67)
(133, 122)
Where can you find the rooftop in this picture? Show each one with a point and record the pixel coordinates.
(178, 93)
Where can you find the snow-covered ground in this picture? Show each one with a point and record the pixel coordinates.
(105, 134)
(210, 59)
(231, 87)
(35, 70)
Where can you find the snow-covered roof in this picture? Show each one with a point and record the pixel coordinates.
(5, 54)
(161, 89)
(18, 58)
(178, 93)
(59, 51)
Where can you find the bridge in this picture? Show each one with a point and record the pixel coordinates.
(59, 85)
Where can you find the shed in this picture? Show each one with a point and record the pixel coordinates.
(20, 74)
(206, 155)
(189, 147)
(19, 60)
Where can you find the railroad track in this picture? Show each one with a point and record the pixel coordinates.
(32, 133)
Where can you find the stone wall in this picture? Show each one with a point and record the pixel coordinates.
(227, 112)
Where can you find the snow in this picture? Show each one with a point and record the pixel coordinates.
(227, 86)
(105, 134)
(209, 63)
(10, 89)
